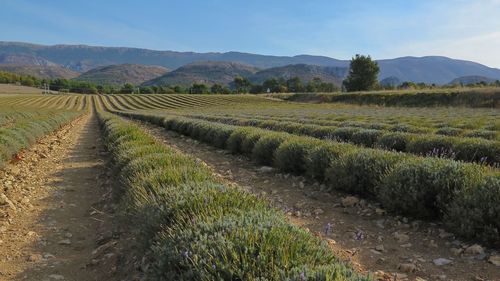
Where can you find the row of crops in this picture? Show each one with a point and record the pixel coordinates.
(24, 132)
(25, 119)
(465, 196)
(445, 121)
(470, 149)
(152, 102)
(66, 102)
(200, 229)
(489, 132)
(445, 97)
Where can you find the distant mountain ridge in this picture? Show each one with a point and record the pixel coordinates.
(211, 72)
(206, 72)
(121, 74)
(40, 71)
(305, 72)
(465, 80)
(81, 58)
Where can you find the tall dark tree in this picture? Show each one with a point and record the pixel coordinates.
(363, 74)
(241, 84)
(127, 89)
(198, 89)
(294, 85)
(216, 89)
(272, 85)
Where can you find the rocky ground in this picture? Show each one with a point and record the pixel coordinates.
(57, 217)
(391, 247)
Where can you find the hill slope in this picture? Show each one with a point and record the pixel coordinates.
(305, 72)
(433, 69)
(41, 71)
(206, 72)
(122, 73)
(81, 58)
(465, 80)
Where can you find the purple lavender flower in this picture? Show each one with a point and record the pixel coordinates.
(328, 228)
(303, 276)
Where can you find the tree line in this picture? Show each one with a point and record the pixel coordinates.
(242, 85)
(238, 86)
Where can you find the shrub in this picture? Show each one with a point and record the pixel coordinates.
(249, 141)
(484, 134)
(477, 150)
(394, 141)
(221, 135)
(235, 142)
(291, 155)
(343, 134)
(448, 131)
(431, 146)
(212, 250)
(199, 130)
(422, 187)
(360, 171)
(366, 137)
(263, 151)
(475, 211)
(321, 157)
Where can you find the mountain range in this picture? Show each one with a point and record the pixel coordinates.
(465, 80)
(209, 72)
(120, 74)
(82, 58)
(40, 71)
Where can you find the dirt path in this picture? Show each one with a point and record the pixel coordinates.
(60, 225)
(357, 230)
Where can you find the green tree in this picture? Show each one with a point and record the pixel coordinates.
(147, 90)
(272, 84)
(217, 89)
(313, 85)
(326, 87)
(363, 74)
(241, 84)
(294, 85)
(257, 89)
(198, 89)
(408, 85)
(127, 89)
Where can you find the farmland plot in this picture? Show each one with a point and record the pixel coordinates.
(259, 188)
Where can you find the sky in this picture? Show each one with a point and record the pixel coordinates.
(460, 29)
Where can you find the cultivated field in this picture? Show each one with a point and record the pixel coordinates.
(241, 187)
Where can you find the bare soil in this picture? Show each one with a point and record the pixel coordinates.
(60, 223)
(389, 246)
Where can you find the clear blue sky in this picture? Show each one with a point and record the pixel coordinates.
(384, 29)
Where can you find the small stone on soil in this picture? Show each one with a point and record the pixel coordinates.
(474, 250)
(407, 267)
(64, 242)
(441, 261)
(350, 201)
(401, 237)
